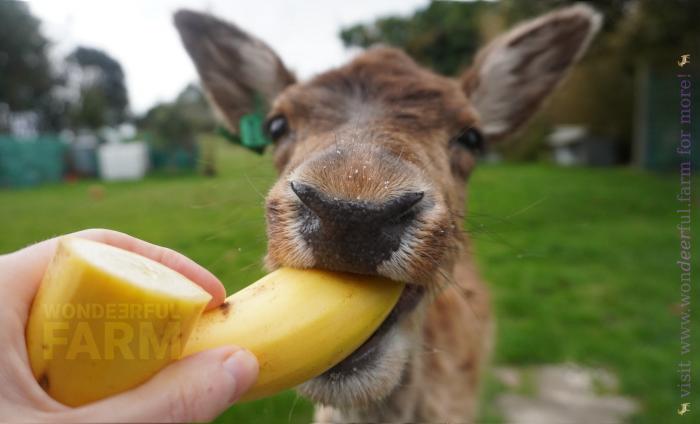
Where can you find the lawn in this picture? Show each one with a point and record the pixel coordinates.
(581, 262)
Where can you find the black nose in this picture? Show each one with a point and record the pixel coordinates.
(369, 213)
(353, 235)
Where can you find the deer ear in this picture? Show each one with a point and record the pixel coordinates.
(237, 70)
(513, 74)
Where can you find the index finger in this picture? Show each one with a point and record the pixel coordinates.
(37, 258)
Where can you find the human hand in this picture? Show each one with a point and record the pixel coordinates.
(196, 388)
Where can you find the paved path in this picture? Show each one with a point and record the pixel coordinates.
(561, 394)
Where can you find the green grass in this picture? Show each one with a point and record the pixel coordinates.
(582, 267)
(581, 262)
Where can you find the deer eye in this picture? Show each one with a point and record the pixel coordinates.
(277, 127)
(470, 139)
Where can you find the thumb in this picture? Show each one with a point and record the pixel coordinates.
(196, 388)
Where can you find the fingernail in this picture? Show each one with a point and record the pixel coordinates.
(244, 367)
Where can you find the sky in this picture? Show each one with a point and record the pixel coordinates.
(140, 34)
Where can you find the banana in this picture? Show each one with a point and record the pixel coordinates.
(298, 323)
(105, 320)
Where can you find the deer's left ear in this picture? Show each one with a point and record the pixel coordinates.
(513, 74)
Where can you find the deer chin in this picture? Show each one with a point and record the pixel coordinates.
(375, 369)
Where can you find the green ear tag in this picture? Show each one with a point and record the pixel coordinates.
(252, 134)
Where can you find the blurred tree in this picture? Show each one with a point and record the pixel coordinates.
(25, 73)
(103, 95)
(169, 126)
(174, 126)
(443, 36)
(194, 105)
(660, 30)
(643, 28)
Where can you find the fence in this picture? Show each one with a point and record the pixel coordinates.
(657, 120)
(26, 162)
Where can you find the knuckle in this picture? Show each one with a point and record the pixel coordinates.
(101, 234)
(182, 405)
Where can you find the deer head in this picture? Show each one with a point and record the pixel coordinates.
(373, 159)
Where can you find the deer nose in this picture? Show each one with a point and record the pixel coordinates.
(331, 208)
(353, 235)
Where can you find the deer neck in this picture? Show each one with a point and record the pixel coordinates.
(440, 380)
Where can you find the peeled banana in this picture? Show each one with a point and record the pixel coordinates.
(105, 320)
(298, 323)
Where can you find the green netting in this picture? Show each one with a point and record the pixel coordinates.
(169, 156)
(26, 162)
(661, 122)
(177, 159)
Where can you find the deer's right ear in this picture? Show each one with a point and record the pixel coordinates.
(237, 70)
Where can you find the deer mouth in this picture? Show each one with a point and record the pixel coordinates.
(370, 350)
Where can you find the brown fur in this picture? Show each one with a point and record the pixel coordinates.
(370, 131)
(361, 110)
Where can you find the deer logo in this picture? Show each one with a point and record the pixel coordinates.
(685, 59)
(685, 407)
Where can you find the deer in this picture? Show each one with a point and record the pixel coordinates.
(373, 159)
